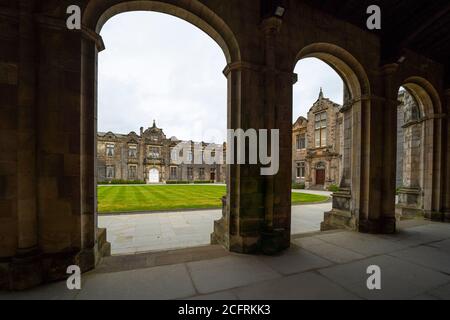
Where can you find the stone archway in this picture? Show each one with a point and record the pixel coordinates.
(349, 205)
(422, 193)
(95, 15)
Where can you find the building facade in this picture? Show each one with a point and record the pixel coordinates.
(150, 157)
(317, 144)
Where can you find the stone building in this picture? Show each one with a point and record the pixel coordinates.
(150, 157)
(317, 145)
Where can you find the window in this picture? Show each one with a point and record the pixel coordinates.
(301, 169)
(173, 173)
(132, 152)
(321, 130)
(190, 157)
(110, 172)
(110, 150)
(190, 173)
(132, 172)
(154, 153)
(202, 173)
(174, 154)
(301, 141)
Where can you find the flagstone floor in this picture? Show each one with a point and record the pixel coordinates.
(415, 264)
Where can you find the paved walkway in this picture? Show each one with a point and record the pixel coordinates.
(129, 234)
(415, 264)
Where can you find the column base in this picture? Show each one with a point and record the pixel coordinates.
(33, 268)
(220, 235)
(338, 219)
(437, 216)
(275, 241)
(403, 212)
(447, 216)
(380, 226)
(22, 273)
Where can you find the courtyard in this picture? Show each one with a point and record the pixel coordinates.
(138, 232)
(144, 198)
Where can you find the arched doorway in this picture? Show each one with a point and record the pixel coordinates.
(419, 151)
(350, 208)
(96, 14)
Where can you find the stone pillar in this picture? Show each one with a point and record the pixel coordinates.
(432, 171)
(341, 215)
(10, 34)
(446, 130)
(26, 263)
(379, 149)
(278, 115)
(258, 208)
(411, 194)
(239, 230)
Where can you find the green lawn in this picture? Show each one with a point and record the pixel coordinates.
(171, 197)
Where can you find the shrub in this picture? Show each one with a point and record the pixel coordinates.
(177, 182)
(121, 182)
(333, 188)
(203, 182)
(298, 186)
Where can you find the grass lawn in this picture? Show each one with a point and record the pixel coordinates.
(171, 197)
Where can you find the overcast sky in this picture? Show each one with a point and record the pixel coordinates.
(158, 67)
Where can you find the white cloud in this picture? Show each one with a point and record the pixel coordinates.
(314, 74)
(156, 66)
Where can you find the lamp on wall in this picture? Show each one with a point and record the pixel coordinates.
(279, 11)
(272, 8)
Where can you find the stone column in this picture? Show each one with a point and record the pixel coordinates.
(446, 130)
(27, 257)
(433, 165)
(239, 230)
(411, 194)
(341, 215)
(379, 148)
(9, 115)
(278, 115)
(257, 212)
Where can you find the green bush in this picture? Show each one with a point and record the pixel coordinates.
(203, 182)
(177, 182)
(298, 186)
(333, 188)
(121, 182)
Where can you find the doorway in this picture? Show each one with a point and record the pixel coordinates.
(320, 177)
(153, 176)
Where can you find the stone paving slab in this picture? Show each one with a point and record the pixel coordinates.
(400, 279)
(319, 269)
(294, 261)
(426, 256)
(327, 250)
(305, 286)
(230, 272)
(159, 283)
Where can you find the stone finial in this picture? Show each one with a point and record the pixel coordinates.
(154, 123)
(321, 94)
